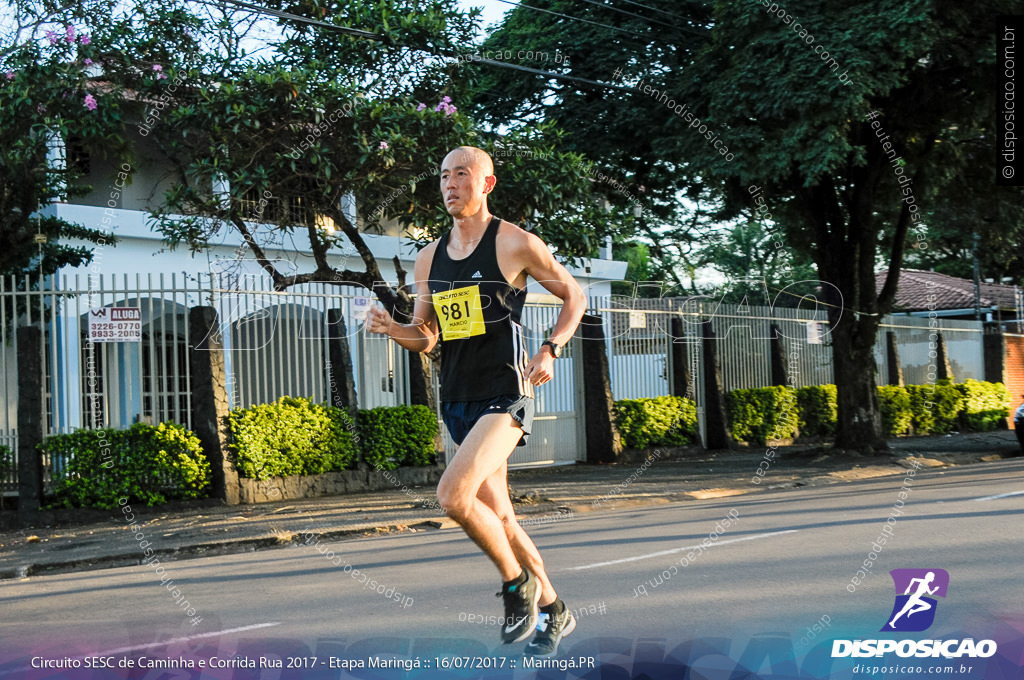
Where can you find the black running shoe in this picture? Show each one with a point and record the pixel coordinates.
(551, 628)
(520, 609)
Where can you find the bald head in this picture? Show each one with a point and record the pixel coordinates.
(471, 156)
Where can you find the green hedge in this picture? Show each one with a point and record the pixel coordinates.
(392, 436)
(935, 408)
(658, 421)
(818, 410)
(762, 413)
(985, 405)
(146, 464)
(294, 436)
(894, 403)
(291, 436)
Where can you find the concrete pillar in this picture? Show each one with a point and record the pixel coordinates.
(994, 351)
(778, 358)
(603, 442)
(715, 423)
(210, 400)
(892, 359)
(340, 380)
(30, 422)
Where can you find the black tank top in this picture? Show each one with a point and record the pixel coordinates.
(483, 348)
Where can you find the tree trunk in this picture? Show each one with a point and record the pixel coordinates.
(859, 424)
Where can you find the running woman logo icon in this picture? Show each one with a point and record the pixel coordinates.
(914, 610)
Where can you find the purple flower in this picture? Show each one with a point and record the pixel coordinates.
(40, 108)
(158, 67)
(383, 145)
(88, 61)
(421, 106)
(447, 99)
(84, 39)
(450, 111)
(69, 34)
(90, 102)
(10, 75)
(52, 37)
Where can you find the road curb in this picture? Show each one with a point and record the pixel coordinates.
(897, 462)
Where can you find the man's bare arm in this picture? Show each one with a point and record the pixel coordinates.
(422, 334)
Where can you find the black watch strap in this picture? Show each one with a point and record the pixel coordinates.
(556, 350)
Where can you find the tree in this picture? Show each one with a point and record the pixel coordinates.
(47, 108)
(325, 117)
(790, 94)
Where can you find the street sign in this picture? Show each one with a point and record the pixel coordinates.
(115, 324)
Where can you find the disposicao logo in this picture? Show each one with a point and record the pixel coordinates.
(914, 611)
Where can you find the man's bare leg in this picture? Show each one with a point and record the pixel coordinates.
(486, 448)
(494, 493)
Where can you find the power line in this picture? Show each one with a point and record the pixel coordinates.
(368, 35)
(572, 18)
(654, 9)
(648, 19)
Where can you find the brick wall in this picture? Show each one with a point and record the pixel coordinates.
(1014, 371)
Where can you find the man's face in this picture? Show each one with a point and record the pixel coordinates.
(464, 183)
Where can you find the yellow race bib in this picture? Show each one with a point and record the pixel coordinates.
(459, 313)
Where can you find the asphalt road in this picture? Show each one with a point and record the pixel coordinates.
(782, 563)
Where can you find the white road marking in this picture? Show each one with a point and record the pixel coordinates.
(124, 650)
(683, 549)
(998, 496)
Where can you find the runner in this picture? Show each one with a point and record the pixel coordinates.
(471, 285)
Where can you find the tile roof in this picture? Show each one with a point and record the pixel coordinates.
(950, 292)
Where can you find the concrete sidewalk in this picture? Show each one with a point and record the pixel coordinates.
(541, 495)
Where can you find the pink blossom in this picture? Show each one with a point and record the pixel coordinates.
(90, 102)
(10, 75)
(441, 106)
(447, 99)
(52, 37)
(158, 67)
(383, 145)
(69, 34)
(84, 39)
(451, 110)
(40, 108)
(88, 61)
(421, 106)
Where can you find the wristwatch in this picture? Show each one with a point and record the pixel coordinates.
(556, 350)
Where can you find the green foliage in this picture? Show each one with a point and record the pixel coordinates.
(145, 464)
(986, 405)
(291, 436)
(935, 407)
(818, 410)
(894, 403)
(762, 414)
(659, 421)
(391, 436)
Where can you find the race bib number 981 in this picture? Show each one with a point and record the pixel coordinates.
(459, 313)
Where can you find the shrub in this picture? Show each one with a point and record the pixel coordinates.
(392, 436)
(291, 436)
(986, 405)
(818, 411)
(657, 421)
(145, 464)
(894, 403)
(935, 408)
(762, 413)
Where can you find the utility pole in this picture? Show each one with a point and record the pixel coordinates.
(977, 279)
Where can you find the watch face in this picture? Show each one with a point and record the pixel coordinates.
(555, 349)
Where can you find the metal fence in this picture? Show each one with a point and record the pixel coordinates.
(276, 344)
